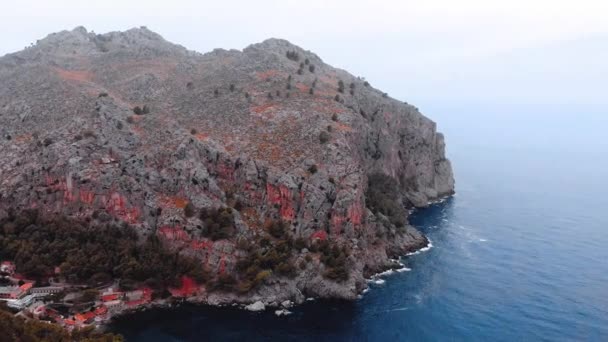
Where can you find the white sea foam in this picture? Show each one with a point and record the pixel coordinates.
(423, 249)
(385, 273)
(482, 240)
(378, 281)
(403, 269)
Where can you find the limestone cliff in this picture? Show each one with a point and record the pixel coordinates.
(270, 131)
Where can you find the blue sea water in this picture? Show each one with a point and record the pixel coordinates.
(520, 253)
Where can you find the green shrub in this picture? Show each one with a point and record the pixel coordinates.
(218, 224)
(324, 137)
(293, 55)
(189, 210)
(341, 86)
(277, 228)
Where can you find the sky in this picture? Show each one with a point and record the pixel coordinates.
(424, 52)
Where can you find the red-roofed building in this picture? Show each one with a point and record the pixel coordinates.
(84, 318)
(26, 287)
(111, 297)
(188, 288)
(101, 310)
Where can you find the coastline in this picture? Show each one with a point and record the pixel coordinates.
(280, 308)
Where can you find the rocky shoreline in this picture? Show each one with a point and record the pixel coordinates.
(253, 303)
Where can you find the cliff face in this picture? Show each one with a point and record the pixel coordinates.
(271, 131)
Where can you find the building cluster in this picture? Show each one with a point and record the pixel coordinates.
(36, 302)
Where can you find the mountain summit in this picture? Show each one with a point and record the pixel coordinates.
(284, 176)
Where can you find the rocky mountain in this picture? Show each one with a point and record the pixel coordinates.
(224, 156)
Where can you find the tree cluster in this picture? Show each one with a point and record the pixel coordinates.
(16, 329)
(382, 196)
(88, 253)
(218, 224)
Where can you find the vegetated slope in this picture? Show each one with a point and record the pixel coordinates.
(256, 162)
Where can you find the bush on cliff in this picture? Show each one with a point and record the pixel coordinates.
(218, 224)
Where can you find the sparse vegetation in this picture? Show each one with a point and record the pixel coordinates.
(216, 93)
(231, 88)
(334, 117)
(137, 110)
(193, 131)
(311, 91)
(130, 119)
(104, 94)
(313, 169)
(311, 68)
(274, 256)
(337, 98)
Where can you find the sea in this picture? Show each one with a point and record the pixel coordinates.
(520, 253)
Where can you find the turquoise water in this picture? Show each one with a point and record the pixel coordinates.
(520, 253)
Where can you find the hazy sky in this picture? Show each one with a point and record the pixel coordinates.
(421, 51)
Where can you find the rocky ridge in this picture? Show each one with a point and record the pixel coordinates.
(271, 131)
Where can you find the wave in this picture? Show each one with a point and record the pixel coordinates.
(423, 249)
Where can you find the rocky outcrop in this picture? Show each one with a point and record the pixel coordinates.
(271, 131)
